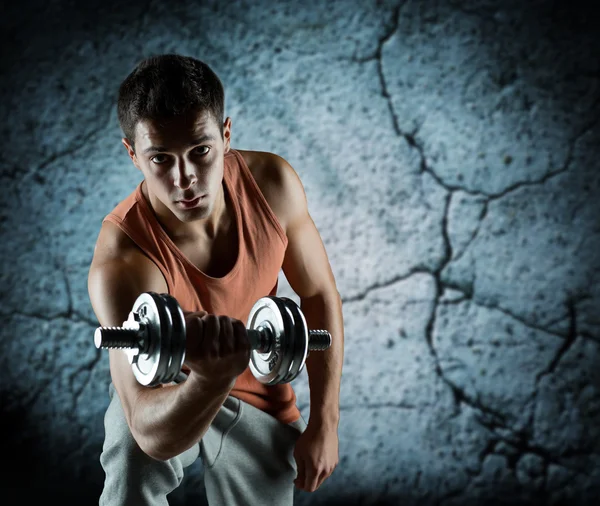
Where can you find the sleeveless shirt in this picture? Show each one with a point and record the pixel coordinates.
(262, 243)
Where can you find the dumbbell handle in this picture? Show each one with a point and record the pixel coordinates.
(261, 339)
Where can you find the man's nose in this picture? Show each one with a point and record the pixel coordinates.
(185, 176)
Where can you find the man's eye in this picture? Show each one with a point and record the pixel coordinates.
(158, 159)
(202, 150)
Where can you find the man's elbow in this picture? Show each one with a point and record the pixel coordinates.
(156, 451)
(163, 449)
(149, 446)
(327, 294)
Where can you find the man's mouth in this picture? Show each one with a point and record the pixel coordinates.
(187, 203)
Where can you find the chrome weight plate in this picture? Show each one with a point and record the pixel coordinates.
(298, 340)
(177, 352)
(286, 344)
(150, 365)
(270, 368)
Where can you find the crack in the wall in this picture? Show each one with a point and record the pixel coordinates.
(448, 252)
(459, 395)
(487, 16)
(588, 335)
(475, 233)
(370, 406)
(521, 320)
(74, 316)
(490, 196)
(568, 342)
(70, 313)
(29, 402)
(551, 174)
(80, 141)
(450, 302)
(379, 405)
(469, 296)
(84, 368)
(520, 441)
(378, 57)
(566, 483)
(77, 144)
(544, 488)
(487, 450)
(410, 137)
(471, 475)
(491, 419)
(564, 316)
(70, 308)
(383, 40)
(385, 284)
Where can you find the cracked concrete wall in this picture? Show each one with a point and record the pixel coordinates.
(449, 156)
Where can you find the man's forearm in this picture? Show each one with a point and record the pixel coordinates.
(167, 421)
(324, 368)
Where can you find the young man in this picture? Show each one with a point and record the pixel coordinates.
(213, 227)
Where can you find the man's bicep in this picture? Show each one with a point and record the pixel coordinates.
(113, 287)
(306, 264)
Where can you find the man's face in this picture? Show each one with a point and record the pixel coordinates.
(182, 162)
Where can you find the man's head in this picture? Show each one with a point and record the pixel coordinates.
(167, 86)
(170, 109)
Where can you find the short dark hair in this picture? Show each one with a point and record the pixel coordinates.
(167, 86)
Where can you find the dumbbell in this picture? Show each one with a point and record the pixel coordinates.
(154, 334)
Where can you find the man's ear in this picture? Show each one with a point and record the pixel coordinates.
(227, 134)
(130, 151)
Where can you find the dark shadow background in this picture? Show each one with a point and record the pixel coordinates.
(449, 156)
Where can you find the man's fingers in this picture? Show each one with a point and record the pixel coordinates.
(311, 478)
(322, 477)
(211, 328)
(300, 476)
(227, 344)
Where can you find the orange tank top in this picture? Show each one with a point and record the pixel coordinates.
(262, 244)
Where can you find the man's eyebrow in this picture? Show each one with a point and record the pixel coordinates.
(194, 142)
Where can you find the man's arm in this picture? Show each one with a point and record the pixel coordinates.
(166, 420)
(306, 267)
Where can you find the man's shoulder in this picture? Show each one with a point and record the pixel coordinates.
(270, 170)
(277, 180)
(113, 242)
(114, 249)
(112, 239)
(263, 163)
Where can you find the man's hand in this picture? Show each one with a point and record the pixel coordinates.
(217, 347)
(316, 455)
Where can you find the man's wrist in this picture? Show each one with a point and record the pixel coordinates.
(325, 417)
(215, 385)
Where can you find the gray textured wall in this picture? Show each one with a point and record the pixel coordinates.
(449, 154)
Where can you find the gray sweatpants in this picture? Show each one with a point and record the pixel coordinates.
(247, 457)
